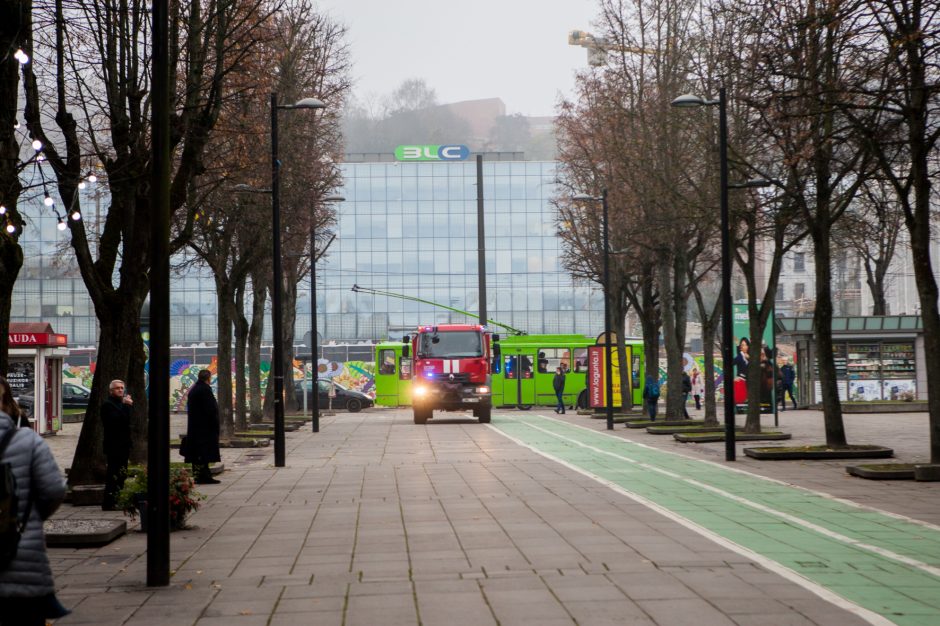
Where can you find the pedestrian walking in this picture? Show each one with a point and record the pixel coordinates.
(202, 429)
(686, 390)
(788, 377)
(651, 396)
(558, 383)
(27, 589)
(116, 421)
(698, 388)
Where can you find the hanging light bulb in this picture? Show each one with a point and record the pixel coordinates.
(76, 216)
(40, 157)
(48, 201)
(21, 56)
(11, 228)
(37, 145)
(92, 178)
(3, 209)
(61, 225)
(81, 185)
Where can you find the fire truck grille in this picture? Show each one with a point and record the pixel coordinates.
(459, 377)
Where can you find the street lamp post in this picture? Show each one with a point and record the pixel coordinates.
(608, 364)
(314, 383)
(277, 313)
(727, 354)
(727, 348)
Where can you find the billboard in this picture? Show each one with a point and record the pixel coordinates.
(746, 349)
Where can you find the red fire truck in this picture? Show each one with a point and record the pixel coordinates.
(451, 369)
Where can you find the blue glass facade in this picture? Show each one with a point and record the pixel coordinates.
(411, 228)
(408, 228)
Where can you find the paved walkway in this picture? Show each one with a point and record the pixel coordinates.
(533, 520)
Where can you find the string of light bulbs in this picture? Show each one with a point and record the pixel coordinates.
(38, 158)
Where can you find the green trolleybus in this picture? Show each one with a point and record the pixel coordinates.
(523, 378)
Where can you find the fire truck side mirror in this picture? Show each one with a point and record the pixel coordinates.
(405, 348)
(497, 358)
(495, 338)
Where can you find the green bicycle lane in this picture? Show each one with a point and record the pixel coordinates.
(886, 564)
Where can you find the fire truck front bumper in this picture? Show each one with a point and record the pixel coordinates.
(450, 396)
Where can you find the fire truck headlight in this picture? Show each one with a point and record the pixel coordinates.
(420, 391)
(483, 390)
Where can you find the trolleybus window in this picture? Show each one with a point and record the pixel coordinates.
(387, 360)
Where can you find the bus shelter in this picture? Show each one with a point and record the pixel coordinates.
(35, 373)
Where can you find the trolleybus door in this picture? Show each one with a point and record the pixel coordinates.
(519, 381)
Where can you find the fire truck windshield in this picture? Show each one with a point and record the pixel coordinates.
(450, 344)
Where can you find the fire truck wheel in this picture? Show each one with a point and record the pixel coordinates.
(422, 416)
(484, 414)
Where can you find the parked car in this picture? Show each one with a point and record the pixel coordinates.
(75, 396)
(345, 399)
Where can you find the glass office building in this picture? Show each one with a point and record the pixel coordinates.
(407, 228)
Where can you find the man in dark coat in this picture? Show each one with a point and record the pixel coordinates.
(202, 429)
(116, 422)
(558, 384)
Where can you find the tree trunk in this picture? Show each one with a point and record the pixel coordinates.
(224, 303)
(650, 322)
(259, 294)
(920, 234)
(290, 320)
(120, 339)
(755, 369)
(13, 29)
(626, 365)
(11, 260)
(241, 340)
(822, 322)
(709, 331)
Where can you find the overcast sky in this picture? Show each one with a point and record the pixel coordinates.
(516, 50)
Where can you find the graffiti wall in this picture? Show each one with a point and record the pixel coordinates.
(352, 373)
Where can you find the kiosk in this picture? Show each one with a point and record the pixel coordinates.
(35, 373)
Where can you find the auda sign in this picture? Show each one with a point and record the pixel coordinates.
(432, 153)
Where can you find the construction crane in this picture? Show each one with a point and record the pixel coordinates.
(376, 292)
(598, 47)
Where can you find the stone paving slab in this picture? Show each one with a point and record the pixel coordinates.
(378, 521)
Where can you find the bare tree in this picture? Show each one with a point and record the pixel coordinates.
(870, 229)
(14, 35)
(897, 80)
(91, 64)
(794, 54)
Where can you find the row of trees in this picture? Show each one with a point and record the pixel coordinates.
(835, 102)
(86, 96)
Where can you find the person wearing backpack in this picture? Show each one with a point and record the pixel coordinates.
(651, 396)
(27, 590)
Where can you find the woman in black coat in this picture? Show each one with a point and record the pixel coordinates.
(202, 429)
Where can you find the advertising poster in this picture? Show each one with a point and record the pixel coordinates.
(864, 390)
(745, 349)
(904, 390)
(22, 380)
(597, 387)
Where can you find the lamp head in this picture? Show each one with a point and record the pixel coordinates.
(583, 197)
(334, 199)
(307, 103)
(689, 100)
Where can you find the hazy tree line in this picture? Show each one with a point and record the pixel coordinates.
(85, 93)
(834, 102)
